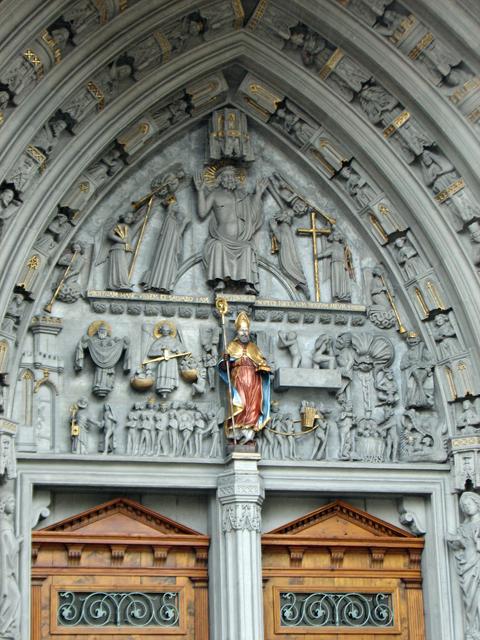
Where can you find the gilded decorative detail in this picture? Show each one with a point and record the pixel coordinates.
(251, 103)
(7, 426)
(34, 60)
(474, 115)
(2, 118)
(432, 289)
(451, 382)
(164, 45)
(239, 12)
(378, 227)
(84, 187)
(123, 5)
(421, 301)
(102, 10)
(421, 45)
(461, 443)
(463, 91)
(404, 29)
(398, 122)
(258, 14)
(330, 64)
(260, 90)
(38, 156)
(97, 94)
(451, 190)
(32, 265)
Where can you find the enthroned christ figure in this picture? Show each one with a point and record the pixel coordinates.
(230, 255)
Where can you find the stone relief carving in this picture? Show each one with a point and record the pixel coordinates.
(66, 287)
(8, 206)
(341, 266)
(381, 108)
(9, 589)
(241, 517)
(229, 253)
(417, 367)
(14, 313)
(408, 258)
(80, 424)
(468, 419)
(85, 17)
(164, 267)
(175, 429)
(357, 186)
(103, 88)
(445, 336)
(8, 463)
(105, 351)
(38, 58)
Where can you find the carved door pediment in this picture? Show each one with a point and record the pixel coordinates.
(119, 570)
(339, 573)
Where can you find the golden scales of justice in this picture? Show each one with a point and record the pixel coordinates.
(146, 382)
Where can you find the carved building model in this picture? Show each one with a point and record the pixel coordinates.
(239, 380)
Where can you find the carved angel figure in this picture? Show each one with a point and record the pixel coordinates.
(105, 352)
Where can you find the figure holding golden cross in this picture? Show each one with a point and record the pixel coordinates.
(314, 232)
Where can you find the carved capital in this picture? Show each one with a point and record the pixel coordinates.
(241, 517)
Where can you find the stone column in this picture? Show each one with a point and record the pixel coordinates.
(240, 495)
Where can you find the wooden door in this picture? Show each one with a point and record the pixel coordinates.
(119, 571)
(340, 574)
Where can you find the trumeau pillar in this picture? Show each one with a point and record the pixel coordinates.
(240, 495)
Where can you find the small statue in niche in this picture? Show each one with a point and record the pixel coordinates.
(357, 186)
(437, 171)
(121, 236)
(465, 210)
(294, 123)
(164, 267)
(105, 352)
(109, 427)
(474, 230)
(15, 310)
(408, 258)
(8, 206)
(229, 254)
(417, 367)
(289, 340)
(249, 384)
(9, 591)
(323, 356)
(468, 421)
(80, 424)
(467, 554)
(165, 351)
(341, 268)
(382, 108)
(445, 336)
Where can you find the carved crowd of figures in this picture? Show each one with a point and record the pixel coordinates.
(174, 429)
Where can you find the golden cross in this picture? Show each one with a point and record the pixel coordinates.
(314, 232)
